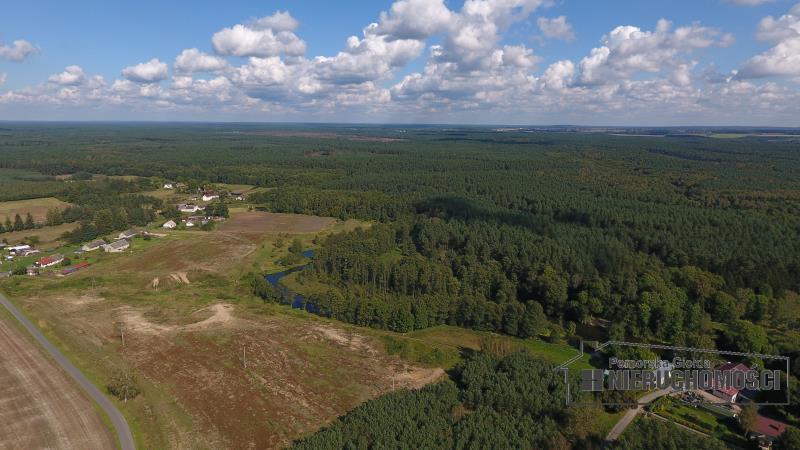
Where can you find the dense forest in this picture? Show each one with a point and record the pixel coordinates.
(508, 402)
(677, 239)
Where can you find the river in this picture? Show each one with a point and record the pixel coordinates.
(296, 300)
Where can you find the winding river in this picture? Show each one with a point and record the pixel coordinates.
(296, 300)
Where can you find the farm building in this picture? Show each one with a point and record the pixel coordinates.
(209, 195)
(189, 208)
(29, 252)
(73, 269)
(33, 271)
(94, 245)
(169, 186)
(49, 261)
(117, 247)
(19, 249)
(128, 234)
(170, 224)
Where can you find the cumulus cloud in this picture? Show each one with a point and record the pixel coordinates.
(71, 76)
(3, 78)
(280, 21)
(415, 19)
(473, 70)
(193, 60)
(783, 59)
(627, 50)
(265, 37)
(152, 71)
(18, 51)
(556, 28)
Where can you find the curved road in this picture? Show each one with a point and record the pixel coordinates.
(631, 413)
(123, 431)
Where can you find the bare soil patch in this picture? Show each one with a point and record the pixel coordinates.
(258, 222)
(39, 406)
(37, 207)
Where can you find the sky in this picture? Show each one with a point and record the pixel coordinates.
(513, 62)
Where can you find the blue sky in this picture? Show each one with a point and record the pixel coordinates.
(647, 76)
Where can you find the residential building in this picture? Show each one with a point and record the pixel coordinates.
(129, 234)
(49, 261)
(117, 247)
(170, 224)
(94, 245)
(729, 393)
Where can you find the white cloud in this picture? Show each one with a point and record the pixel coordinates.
(149, 72)
(18, 51)
(280, 21)
(415, 19)
(783, 59)
(71, 76)
(628, 50)
(193, 60)
(556, 28)
(3, 78)
(265, 37)
(750, 2)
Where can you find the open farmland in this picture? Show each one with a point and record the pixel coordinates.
(40, 406)
(265, 222)
(37, 207)
(218, 369)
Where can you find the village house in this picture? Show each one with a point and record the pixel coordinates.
(209, 195)
(49, 261)
(117, 247)
(33, 271)
(766, 431)
(29, 252)
(169, 186)
(18, 249)
(170, 224)
(129, 234)
(189, 208)
(729, 393)
(94, 245)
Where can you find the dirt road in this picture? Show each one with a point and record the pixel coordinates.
(626, 420)
(40, 407)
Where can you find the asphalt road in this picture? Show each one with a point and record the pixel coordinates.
(626, 420)
(123, 430)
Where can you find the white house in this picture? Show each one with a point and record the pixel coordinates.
(170, 224)
(49, 261)
(117, 247)
(19, 249)
(169, 186)
(189, 208)
(94, 245)
(208, 196)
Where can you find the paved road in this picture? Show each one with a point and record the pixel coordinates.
(121, 426)
(626, 420)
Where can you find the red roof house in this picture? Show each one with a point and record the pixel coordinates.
(729, 393)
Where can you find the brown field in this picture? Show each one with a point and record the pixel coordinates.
(39, 406)
(37, 207)
(257, 222)
(188, 322)
(48, 236)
